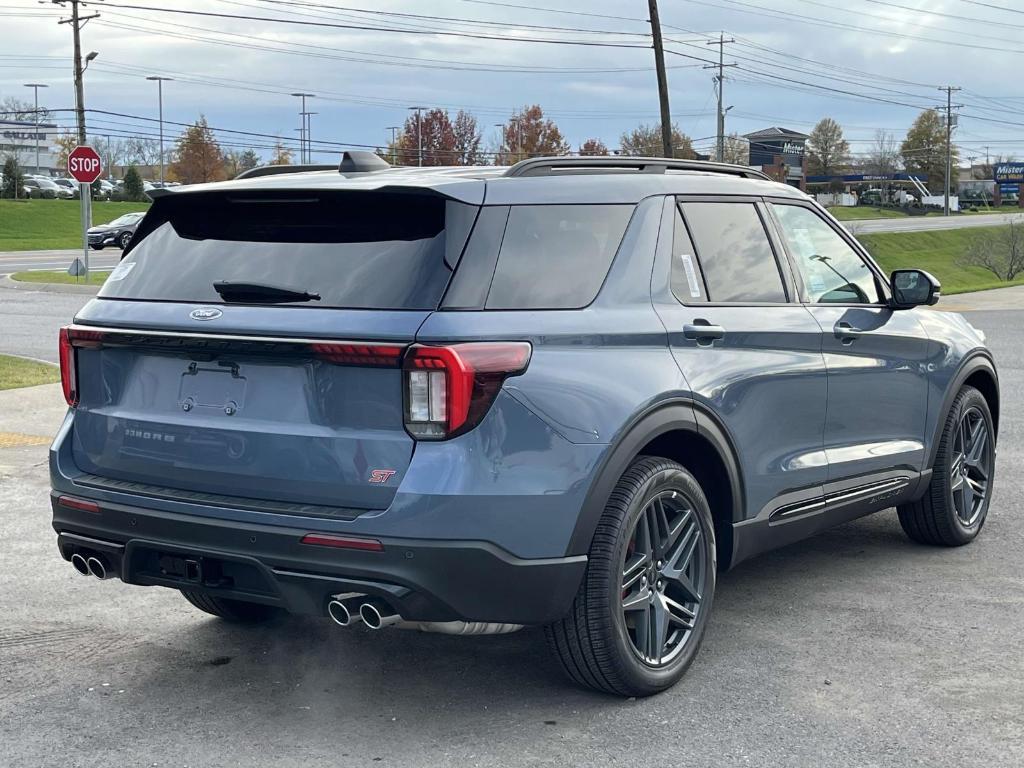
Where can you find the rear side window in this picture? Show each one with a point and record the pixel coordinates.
(356, 250)
(556, 256)
(735, 254)
(687, 283)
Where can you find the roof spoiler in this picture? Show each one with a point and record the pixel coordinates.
(550, 166)
(352, 161)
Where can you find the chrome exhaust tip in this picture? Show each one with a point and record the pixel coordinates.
(378, 617)
(339, 613)
(80, 564)
(97, 568)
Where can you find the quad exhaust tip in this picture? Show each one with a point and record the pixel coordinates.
(80, 564)
(378, 617)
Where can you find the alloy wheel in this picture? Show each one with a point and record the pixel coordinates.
(971, 467)
(663, 578)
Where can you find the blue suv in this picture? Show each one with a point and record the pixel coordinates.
(565, 393)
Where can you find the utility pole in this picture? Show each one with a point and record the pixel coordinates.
(77, 21)
(659, 65)
(36, 87)
(949, 89)
(309, 135)
(720, 89)
(394, 142)
(302, 121)
(160, 100)
(419, 134)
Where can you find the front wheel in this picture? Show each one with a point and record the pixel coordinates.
(123, 240)
(639, 617)
(953, 509)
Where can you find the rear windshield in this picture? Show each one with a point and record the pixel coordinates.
(356, 250)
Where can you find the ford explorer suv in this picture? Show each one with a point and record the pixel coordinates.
(563, 394)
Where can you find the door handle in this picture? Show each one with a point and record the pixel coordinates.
(703, 332)
(846, 333)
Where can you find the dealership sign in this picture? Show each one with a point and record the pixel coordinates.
(1008, 173)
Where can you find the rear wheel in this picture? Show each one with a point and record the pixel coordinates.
(639, 617)
(236, 611)
(953, 509)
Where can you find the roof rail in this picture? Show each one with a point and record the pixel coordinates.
(274, 170)
(549, 166)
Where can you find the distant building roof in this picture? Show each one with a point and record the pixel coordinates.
(775, 133)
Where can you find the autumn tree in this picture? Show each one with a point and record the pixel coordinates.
(281, 155)
(736, 150)
(593, 148)
(66, 142)
(199, 157)
(529, 134)
(444, 141)
(828, 152)
(645, 141)
(924, 150)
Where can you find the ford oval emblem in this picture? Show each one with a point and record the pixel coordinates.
(205, 313)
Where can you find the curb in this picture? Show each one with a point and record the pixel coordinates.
(17, 285)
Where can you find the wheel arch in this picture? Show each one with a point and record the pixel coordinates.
(686, 433)
(977, 371)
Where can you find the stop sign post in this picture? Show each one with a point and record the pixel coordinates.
(85, 167)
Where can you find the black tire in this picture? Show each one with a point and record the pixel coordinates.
(123, 240)
(594, 643)
(235, 611)
(96, 247)
(934, 518)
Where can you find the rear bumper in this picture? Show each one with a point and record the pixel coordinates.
(424, 580)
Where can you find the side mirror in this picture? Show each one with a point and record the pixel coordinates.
(913, 288)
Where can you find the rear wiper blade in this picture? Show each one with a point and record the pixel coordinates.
(260, 293)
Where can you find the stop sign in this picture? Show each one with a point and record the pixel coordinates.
(84, 164)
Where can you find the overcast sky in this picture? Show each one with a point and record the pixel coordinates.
(365, 79)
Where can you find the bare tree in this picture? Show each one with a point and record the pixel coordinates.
(143, 152)
(1000, 250)
(736, 150)
(13, 108)
(884, 155)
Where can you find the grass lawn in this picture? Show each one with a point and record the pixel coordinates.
(865, 212)
(35, 225)
(17, 372)
(96, 277)
(934, 252)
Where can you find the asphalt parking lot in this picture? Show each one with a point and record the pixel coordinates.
(854, 648)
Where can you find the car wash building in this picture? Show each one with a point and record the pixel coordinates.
(780, 153)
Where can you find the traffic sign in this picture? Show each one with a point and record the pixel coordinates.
(84, 164)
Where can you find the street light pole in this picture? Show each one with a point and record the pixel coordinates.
(160, 99)
(309, 134)
(419, 135)
(36, 87)
(302, 121)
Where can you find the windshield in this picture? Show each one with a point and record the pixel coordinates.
(358, 251)
(128, 218)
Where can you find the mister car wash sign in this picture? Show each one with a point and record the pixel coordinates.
(1009, 173)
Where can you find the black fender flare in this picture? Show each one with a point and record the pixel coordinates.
(978, 361)
(666, 416)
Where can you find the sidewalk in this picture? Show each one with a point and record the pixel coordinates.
(29, 418)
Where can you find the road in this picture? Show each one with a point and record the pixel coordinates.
(17, 261)
(854, 648)
(930, 223)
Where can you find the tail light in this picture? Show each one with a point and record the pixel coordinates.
(68, 375)
(449, 389)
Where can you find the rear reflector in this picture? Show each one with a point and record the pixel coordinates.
(82, 504)
(342, 542)
(449, 389)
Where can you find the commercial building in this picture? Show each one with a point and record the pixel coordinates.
(780, 153)
(18, 138)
